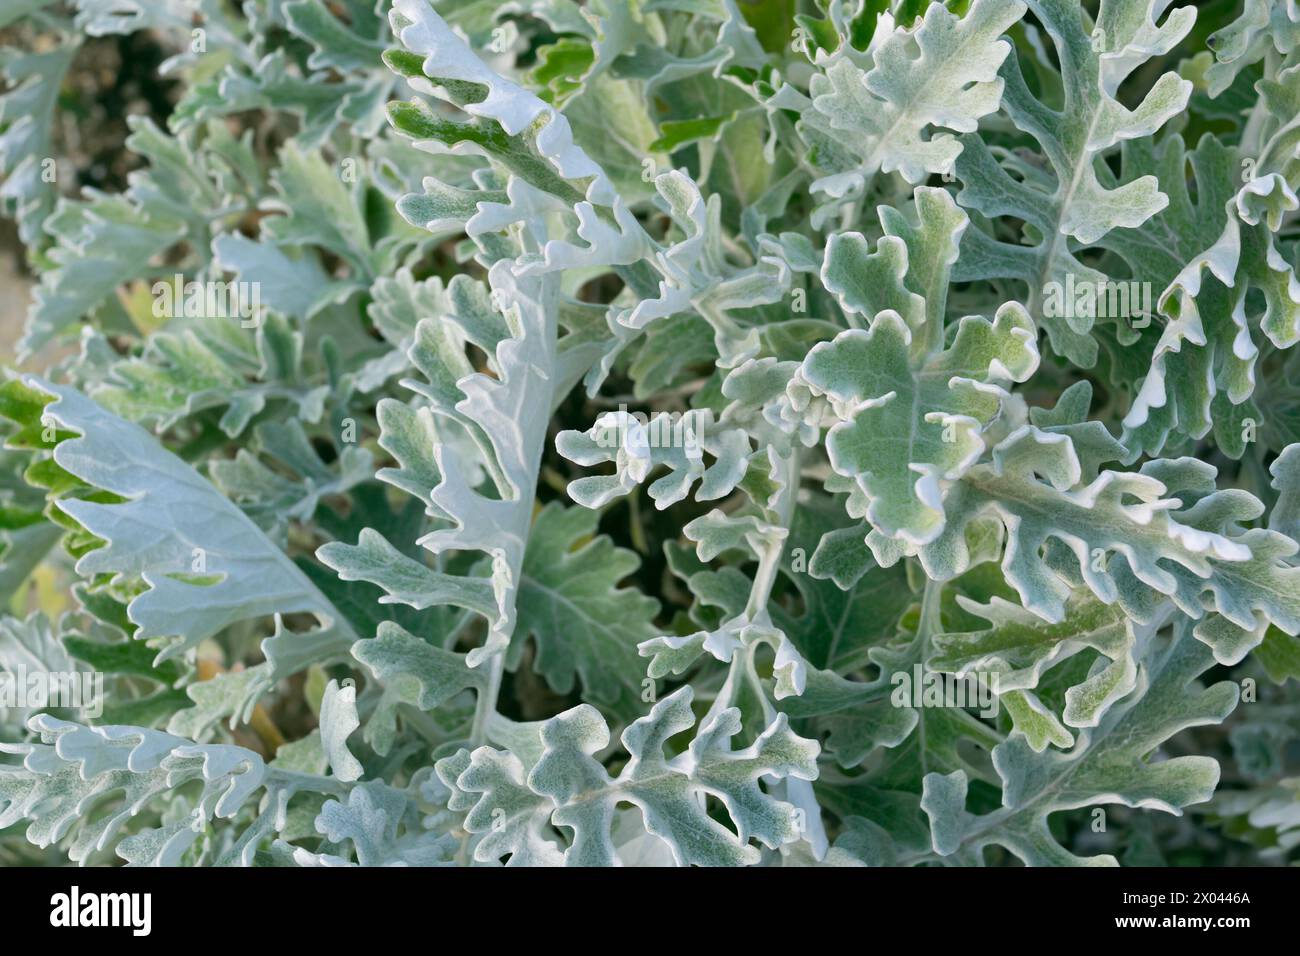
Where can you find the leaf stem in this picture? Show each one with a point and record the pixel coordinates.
(486, 704)
(769, 561)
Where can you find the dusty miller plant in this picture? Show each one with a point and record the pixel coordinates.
(654, 409)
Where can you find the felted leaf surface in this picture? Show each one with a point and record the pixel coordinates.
(1107, 765)
(205, 563)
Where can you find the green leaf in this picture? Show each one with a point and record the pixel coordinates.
(900, 420)
(666, 789)
(570, 603)
(1107, 765)
(208, 567)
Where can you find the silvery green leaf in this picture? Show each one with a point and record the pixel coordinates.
(839, 615)
(1070, 201)
(229, 697)
(100, 17)
(320, 208)
(273, 498)
(98, 245)
(446, 56)
(1125, 538)
(1019, 649)
(296, 287)
(26, 150)
(338, 718)
(674, 655)
(209, 364)
(413, 672)
(1272, 810)
(72, 766)
(353, 46)
(580, 795)
(274, 84)
(1204, 324)
(638, 448)
(572, 577)
(31, 648)
(1210, 339)
(1285, 516)
(21, 8)
(910, 428)
(208, 568)
(490, 411)
(1262, 27)
(512, 818)
(913, 591)
(104, 241)
(1106, 765)
(880, 109)
(1172, 381)
(382, 825)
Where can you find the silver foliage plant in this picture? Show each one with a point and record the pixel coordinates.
(654, 413)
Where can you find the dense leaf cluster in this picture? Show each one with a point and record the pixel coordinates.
(648, 414)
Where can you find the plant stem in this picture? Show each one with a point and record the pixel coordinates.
(930, 621)
(486, 704)
(769, 561)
